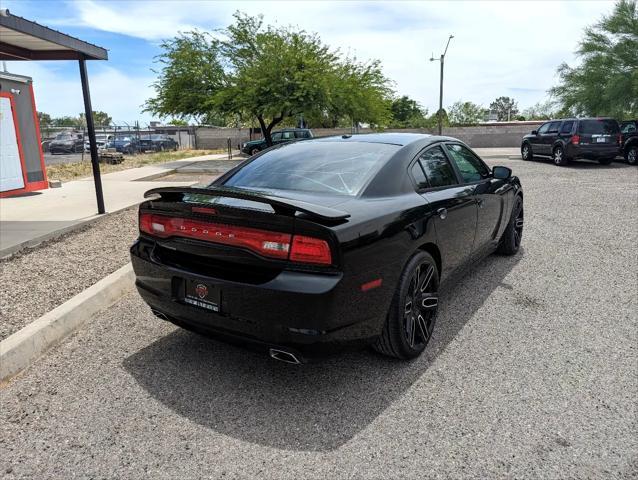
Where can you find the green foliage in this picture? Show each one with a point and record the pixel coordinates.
(178, 122)
(606, 81)
(254, 71)
(191, 74)
(541, 111)
(407, 113)
(466, 113)
(44, 119)
(505, 108)
(66, 121)
(100, 119)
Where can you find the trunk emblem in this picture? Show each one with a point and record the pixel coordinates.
(201, 290)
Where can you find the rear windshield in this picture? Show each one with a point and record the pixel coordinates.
(602, 126)
(324, 167)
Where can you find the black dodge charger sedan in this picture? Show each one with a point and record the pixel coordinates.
(314, 246)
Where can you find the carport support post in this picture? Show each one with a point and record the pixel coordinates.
(88, 114)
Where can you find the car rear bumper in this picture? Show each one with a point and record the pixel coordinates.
(309, 313)
(592, 151)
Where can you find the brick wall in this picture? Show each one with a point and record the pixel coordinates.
(485, 135)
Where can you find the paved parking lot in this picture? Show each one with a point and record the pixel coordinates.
(50, 159)
(532, 373)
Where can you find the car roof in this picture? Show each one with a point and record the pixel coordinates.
(576, 119)
(393, 138)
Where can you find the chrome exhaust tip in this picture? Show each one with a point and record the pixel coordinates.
(284, 356)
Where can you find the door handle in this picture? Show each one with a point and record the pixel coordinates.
(479, 202)
(442, 213)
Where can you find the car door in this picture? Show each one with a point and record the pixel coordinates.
(488, 193)
(535, 141)
(452, 203)
(548, 138)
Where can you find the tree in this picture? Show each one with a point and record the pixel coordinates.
(44, 119)
(407, 113)
(606, 81)
(466, 113)
(100, 119)
(541, 111)
(66, 121)
(505, 108)
(178, 122)
(253, 71)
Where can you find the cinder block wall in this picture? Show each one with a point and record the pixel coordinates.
(485, 135)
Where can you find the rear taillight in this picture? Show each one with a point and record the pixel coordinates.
(277, 245)
(619, 138)
(310, 250)
(575, 140)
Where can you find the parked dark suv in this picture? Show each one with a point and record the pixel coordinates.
(280, 136)
(629, 132)
(158, 143)
(572, 139)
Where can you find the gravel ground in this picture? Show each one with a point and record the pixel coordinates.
(531, 373)
(38, 280)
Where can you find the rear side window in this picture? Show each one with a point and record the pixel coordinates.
(288, 135)
(629, 128)
(553, 127)
(567, 127)
(302, 134)
(437, 168)
(419, 176)
(342, 168)
(471, 168)
(603, 126)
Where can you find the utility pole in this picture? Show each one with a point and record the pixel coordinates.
(442, 60)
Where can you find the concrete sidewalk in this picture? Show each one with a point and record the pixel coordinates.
(30, 219)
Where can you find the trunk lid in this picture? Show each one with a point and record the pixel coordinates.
(237, 234)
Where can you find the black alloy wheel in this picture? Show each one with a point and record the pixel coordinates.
(632, 155)
(254, 151)
(513, 234)
(413, 311)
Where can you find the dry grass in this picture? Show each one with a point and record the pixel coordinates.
(73, 171)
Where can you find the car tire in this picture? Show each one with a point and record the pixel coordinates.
(558, 156)
(631, 155)
(526, 152)
(408, 327)
(513, 234)
(606, 161)
(254, 151)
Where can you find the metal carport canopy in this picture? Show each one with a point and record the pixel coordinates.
(22, 39)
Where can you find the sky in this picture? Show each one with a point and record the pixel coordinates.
(509, 48)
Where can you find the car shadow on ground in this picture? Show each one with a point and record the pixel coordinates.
(313, 407)
(584, 164)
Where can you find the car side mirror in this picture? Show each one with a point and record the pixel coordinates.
(501, 173)
(534, 132)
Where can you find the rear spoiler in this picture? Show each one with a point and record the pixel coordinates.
(285, 206)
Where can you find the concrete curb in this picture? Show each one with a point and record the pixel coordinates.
(24, 347)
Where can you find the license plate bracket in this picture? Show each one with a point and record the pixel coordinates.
(202, 295)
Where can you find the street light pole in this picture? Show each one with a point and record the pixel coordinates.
(442, 60)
